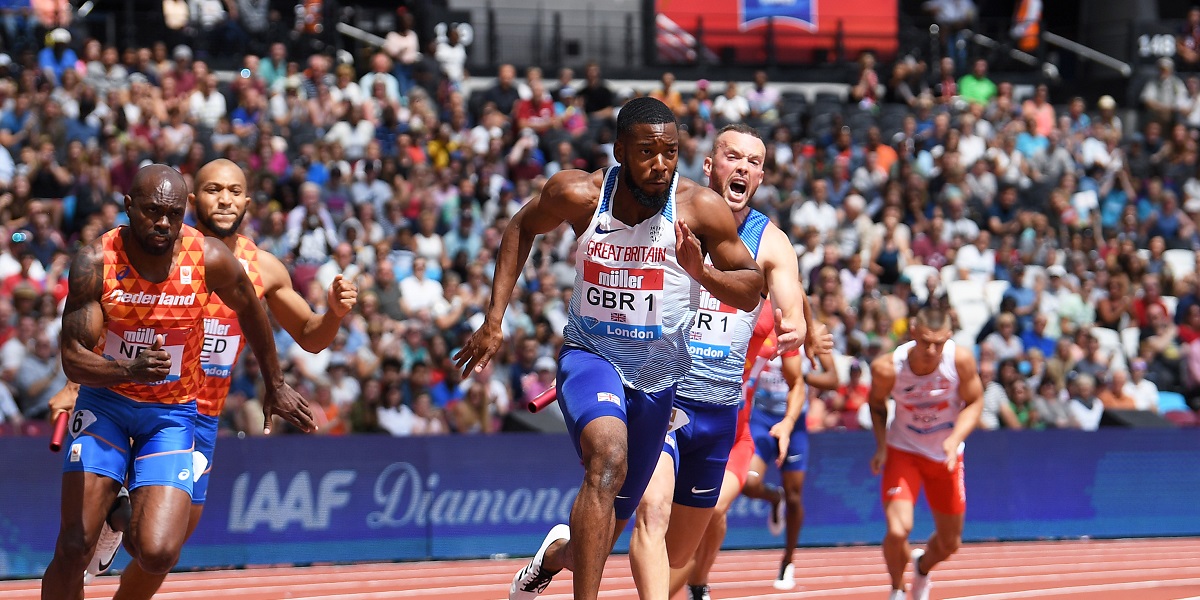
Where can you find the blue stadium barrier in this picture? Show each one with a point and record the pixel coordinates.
(372, 498)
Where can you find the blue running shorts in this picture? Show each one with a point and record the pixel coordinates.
(700, 450)
(206, 445)
(767, 446)
(589, 388)
(108, 432)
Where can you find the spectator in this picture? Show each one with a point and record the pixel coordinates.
(952, 18)
(418, 292)
(817, 212)
(997, 409)
(1187, 44)
(1053, 411)
(764, 99)
(977, 262)
(451, 56)
(39, 377)
(1039, 109)
(1143, 391)
(1162, 94)
(975, 87)
(1114, 395)
(57, 56)
(1004, 343)
(403, 47)
(1086, 408)
(670, 95)
(503, 94)
(730, 107)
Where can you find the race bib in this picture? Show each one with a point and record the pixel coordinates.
(80, 421)
(622, 302)
(222, 339)
(199, 465)
(771, 383)
(678, 419)
(712, 332)
(122, 343)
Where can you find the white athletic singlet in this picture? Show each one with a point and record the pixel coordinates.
(632, 303)
(769, 386)
(926, 405)
(721, 335)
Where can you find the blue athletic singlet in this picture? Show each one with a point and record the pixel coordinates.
(721, 334)
(633, 304)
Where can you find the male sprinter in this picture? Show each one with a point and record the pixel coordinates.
(220, 204)
(939, 398)
(678, 503)
(777, 390)
(132, 336)
(643, 232)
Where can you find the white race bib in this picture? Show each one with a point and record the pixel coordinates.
(712, 333)
(126, 343)
(622, 302)
(221, 343)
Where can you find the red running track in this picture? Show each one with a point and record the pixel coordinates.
(1151, 569)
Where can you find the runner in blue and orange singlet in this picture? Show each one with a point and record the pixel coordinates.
(132, 335)
(220, 204)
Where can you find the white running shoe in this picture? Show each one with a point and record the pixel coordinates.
(787, 578)
(897, 595)
(106, 546)
(698, 592)
(777, 517)
(921, 584)
(532, 580)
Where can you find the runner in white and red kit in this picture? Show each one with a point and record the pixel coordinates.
(939, 397)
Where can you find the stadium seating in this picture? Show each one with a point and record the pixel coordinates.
(994, 290)
(1180, 261)
(917, 276)
(1169, 402)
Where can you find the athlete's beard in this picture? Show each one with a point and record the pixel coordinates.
(152, 249)
(656, 202)
(221, 232)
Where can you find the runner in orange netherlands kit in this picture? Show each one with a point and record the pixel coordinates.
(132, 336)
(939, 398)
(220, 204)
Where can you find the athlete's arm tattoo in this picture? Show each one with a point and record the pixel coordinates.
(83, 324)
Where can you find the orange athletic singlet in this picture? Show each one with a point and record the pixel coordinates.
(223, 336)
(136, 310)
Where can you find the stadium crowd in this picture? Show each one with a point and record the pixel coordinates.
(1062, 236)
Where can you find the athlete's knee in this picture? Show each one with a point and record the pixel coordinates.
(898, 531)
(72, 545)
(654, 513)
(605, 469)
(950, 541)
(793, 495)
(157, 558)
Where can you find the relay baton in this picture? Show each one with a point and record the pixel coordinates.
(60, 431)
(543, 399)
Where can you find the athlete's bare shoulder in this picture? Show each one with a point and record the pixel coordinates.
(776, 247)
(694, 200)
(883, 367)
(964, 359)
(86, 277)
(274, 274)
(569, 196)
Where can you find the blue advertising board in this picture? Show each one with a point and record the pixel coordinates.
(301, 499)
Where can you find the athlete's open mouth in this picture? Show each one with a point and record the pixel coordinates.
(738, 186)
